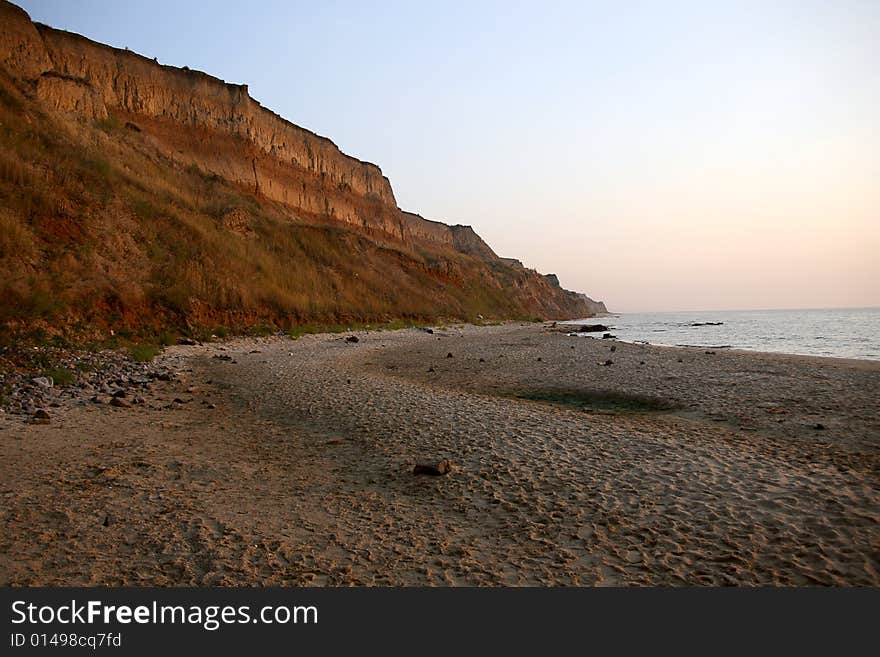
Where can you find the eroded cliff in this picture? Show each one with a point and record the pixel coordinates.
(188, 120)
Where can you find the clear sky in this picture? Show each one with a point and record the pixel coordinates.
(658, 155)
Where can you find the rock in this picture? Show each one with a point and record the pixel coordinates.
(106, 522)
(539, 359)
(449, 355)
(613, 348)
(41, 414)
(352, 339)
(592, 328)
(187, 342)
(680, 360)
(165, 376)
(819, 426)
(212, 406)
(44, 382)
(483, 360)
(428, 330)
(178, 400)
(608, 336)
(118, 402)
(641, 362)
(96, 399)
(433, 469)
(607, 363)
(120, 393)
(138, 400)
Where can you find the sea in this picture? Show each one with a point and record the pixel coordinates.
(838, 332)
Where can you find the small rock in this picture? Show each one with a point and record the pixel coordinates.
(539, 359)
(483, 360)
(592, 328)
(187, 342)
(120, 393)
(42, 381)
(118, 402)
(428, 330)
(41, 414)
(352, 339)
(165, 376)
(641, 362)
(680, 360)
(819, 426)
(138, 400)
(212, 406)
(433, 469)
(96, 399)
(106, 522)
(449, 355)
(613, 348)
(711, 353)
(607, 363)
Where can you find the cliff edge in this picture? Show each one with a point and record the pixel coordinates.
(126, 109)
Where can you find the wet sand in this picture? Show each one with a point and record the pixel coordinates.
(668, 466)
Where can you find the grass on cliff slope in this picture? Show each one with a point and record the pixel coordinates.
(98, 231)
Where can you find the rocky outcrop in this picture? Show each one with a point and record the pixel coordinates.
(194, 119)
(593, 307)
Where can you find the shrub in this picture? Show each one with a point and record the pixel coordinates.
(143, 353)
(61, 376)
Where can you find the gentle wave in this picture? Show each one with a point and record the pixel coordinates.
(841, 333)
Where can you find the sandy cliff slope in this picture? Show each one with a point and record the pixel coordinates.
(134, 192)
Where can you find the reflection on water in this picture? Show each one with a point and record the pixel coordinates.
(843, 333)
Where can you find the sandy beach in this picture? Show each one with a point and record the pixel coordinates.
(290, 462)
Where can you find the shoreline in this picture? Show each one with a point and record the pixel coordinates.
(278, 461)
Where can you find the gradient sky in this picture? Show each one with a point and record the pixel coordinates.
(657, 155)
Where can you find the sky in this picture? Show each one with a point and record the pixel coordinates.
(656, 155)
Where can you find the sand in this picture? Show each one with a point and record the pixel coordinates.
(691, 468)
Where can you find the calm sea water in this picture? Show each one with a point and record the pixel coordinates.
(844, 333)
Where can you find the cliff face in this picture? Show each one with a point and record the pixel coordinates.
(193, 119)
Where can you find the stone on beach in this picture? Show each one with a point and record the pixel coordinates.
(433, 469)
